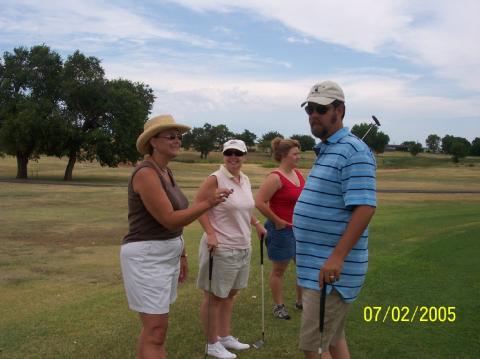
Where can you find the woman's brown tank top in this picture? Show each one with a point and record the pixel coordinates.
(142, 226)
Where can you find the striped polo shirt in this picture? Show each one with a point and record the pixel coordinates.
(342, 177)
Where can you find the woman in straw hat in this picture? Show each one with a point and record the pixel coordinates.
(153, 257)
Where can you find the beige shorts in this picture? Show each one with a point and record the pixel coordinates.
(336, 311)
(230, 269)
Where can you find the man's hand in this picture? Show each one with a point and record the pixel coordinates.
(331, 270)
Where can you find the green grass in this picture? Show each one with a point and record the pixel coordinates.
(423, 254)
(62, 295)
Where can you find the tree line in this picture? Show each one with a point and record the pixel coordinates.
(210, 138)
(457, 147)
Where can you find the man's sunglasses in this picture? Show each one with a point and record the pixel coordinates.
(229, 153)
(313, 107)
(172, 136)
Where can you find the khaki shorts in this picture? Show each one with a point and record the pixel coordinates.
(335, 317)
(230, 269)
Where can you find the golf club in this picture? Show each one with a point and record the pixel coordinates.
(260, 343)
(322, 315)
(210, 270)
(377, 123)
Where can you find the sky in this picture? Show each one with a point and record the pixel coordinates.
(249, 64)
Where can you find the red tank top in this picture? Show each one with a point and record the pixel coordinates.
(283, 201)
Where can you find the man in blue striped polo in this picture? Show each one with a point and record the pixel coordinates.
(330, 222)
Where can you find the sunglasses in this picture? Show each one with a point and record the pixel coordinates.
(236, 153)
(172, 136)
(313, 107)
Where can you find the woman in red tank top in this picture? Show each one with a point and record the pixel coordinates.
(276, 199)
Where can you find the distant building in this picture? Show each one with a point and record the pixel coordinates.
(391, 148)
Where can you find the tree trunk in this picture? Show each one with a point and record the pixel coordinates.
(22, 162)
(69, 170)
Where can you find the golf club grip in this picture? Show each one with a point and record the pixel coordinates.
(322, 306)
(210, 265)
(262, 237)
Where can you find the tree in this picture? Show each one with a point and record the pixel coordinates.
(187, 140)
(29, 99)
(221, 134)
(458, 150)
(266, 140)
(203, 139)
(448, 141)
(433, 143)
(127, 107)
(475, 149)
(375, 139)
(415, 148)
(84, 98)
(408, 144)
(380, 142)
(248, 137)
(208, 138)
(307, 142)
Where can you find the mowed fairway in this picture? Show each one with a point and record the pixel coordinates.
(62, 295)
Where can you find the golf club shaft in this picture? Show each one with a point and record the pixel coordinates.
(321, 325)
(366, 133)
(210, 270)
(377, 123)
(263, 289)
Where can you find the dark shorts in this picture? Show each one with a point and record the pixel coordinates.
(280, 242)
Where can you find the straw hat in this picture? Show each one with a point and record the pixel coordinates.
(155, 125)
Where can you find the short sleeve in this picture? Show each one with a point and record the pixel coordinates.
(358, 180)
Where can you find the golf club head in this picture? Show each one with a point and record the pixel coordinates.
(258, 344)
(377, 122)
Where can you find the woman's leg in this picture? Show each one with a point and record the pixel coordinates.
(151, 342)
(225, 313)
(276, 280)
(210, 328)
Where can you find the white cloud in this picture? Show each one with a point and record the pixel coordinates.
(89, 20)
(294, 39)
(448, 41)
(262, 103)
(362, 25)
(439, 34)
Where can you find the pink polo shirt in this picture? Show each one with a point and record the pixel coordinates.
(231, 219)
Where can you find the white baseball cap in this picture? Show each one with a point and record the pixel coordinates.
(235, 145)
